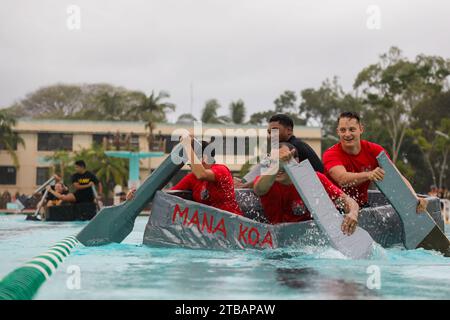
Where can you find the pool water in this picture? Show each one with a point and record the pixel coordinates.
(132, 271)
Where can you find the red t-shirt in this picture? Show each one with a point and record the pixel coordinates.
(365, 160)
(283, 203)
(219, 194)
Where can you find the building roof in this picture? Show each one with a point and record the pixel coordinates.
(137, 127)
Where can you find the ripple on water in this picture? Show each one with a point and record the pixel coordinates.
(133, 271)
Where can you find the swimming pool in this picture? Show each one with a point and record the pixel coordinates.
(132, 271)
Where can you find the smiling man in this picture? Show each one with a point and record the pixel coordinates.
(352, 162)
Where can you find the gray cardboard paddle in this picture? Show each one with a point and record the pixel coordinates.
(359, 245)
(114, 223)
(252, 174)
(420, 230)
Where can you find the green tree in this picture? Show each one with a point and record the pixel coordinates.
(321, 107)
(152, 109)
(85, 101)
(395, 86)
(9, 140)
(237, 111)
(62, 164)
(209, 112)
(286, 102)
(261, 118)
(186, 118)
(430, 126)
(110, 107)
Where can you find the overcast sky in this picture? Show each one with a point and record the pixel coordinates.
(224, 49)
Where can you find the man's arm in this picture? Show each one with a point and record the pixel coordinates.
(267, 178)
(64, 197)
(100, 187)
(422, 203)
(348, 179)
(265, 182)
(78, 186)
(306, 152)
(196, 165)
(351, 209)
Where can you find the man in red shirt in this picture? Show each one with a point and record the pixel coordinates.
(352, 162)
(282, 203)
(210, 183)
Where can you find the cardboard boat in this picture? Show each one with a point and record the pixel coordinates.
(72, 212)
(177, 221)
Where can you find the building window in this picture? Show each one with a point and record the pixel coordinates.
(7, 175)
(55, 141)
(121, 141)
(42, 175)
(135, 141)
(169, 144)
(238, 146)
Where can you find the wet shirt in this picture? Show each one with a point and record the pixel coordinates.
(219, 194)
(84, 195)
(282, 203)
(305, 151)
(364, 161)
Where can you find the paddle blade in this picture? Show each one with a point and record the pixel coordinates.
(32, 218)
(115, 223)
(111, 224)
(359, 245)
(420, 230)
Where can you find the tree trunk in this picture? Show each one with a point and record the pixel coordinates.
(443, 167)
(430, 166)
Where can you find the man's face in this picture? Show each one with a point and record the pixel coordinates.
(59, 188)
(282, 176)
(349, 132)
(284, 132)
(79, 169)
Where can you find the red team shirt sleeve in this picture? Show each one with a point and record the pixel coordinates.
(333, 191)
(376, 149)
(331, 159)
(185, 183)
(220, 173)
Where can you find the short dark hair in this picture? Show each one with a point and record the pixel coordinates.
(291, 147)
(283, 120)
(350, 115)
(80, 163)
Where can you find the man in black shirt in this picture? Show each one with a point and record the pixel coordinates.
(285, 127)
(83, 181)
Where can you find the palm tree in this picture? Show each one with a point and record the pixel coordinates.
(152, 109)
(9, 140)
(209, 113)
(186, 118)
(62, 164)
(237, 112)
